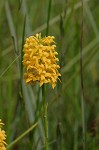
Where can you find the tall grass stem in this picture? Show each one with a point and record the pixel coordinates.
(21, 136)
(48, 17)
(82, 86)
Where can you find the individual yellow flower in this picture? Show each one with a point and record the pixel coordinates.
(40, 61)
(2, 137)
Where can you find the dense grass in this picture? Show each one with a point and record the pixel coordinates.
(20, 104)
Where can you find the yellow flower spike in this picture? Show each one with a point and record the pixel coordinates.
(2, 137)
(40, 61)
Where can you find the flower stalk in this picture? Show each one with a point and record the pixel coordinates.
(45, 116)
(41, 65)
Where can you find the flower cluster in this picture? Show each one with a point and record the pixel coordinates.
(40, 60)
(2, 137)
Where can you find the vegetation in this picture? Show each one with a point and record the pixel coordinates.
(73, 106)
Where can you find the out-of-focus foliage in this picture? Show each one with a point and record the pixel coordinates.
(18, 109)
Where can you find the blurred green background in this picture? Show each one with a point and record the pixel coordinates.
(20, 110)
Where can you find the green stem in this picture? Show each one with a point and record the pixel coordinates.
(21, 136)
(82, 84)
(45, 117)
(48, 17)
(83, 122)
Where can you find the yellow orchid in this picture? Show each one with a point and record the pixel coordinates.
(40, 61)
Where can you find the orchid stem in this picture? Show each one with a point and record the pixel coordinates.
(45, 117)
